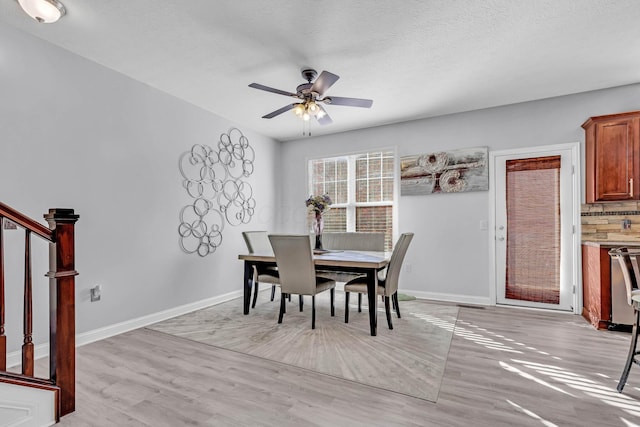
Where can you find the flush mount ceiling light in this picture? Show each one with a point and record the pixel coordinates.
(43, 11)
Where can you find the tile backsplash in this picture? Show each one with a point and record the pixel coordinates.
(611, 222)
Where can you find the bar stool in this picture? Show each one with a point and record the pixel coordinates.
(629, 264)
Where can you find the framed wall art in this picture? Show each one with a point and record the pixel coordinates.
(454, 171)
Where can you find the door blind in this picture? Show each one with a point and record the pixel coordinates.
(533, 229)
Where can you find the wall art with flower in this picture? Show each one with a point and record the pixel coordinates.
(453, 171)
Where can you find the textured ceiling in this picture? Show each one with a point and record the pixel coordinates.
(414, 58)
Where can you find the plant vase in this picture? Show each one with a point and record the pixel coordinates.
(318, 226)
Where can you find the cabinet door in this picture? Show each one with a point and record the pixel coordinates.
(596, 285)
(616, 153)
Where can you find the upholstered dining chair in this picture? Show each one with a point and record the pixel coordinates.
(387, 285)
(258, 242)
(628, 260)
(294, 258)
(351, 241)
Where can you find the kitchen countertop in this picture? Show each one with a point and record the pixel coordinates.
(611, 244)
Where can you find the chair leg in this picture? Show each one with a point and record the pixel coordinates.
(273, 292)
(313, 311)
(301, 301)
(282, 307)
(333, 298)
(632, 353)
(255, 293)
(387, 309)
(359, 303)
(285, 300)
(397, 306)
(346, 307)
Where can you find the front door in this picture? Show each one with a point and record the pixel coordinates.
(535, 236)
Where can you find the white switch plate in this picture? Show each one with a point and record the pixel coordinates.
(95, 293)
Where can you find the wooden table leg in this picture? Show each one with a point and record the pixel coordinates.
(372, 285)
(248, 282)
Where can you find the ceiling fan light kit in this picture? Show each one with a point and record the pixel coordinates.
(308, 109)
(311, 96)
(43, 11)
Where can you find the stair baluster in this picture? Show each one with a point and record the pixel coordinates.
(27, 346)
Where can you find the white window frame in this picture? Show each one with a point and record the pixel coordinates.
(351, 205)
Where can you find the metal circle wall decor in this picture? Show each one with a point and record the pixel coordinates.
(215, 179)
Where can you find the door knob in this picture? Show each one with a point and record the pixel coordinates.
(501, 238)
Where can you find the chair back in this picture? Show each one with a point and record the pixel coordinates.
(295, 263)
(257, 241)
(629, 265)
(359, 241)
(395, 263)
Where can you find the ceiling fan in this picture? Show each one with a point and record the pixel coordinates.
(311, 96)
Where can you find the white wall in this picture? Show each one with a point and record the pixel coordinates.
(449, 253)
(75, 134)
(78, 135)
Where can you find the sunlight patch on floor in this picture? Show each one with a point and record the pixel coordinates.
(629, 423)
(466, 333)
(589, 387)
(532, 414)
(528, 376)
(555, 378)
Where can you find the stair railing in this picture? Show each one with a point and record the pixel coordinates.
(61, 274)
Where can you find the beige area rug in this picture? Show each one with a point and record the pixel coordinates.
(410, 359)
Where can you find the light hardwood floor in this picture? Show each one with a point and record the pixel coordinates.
(506, 367)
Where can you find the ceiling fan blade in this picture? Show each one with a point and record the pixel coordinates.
(270, 89)
(349, 102)
(324, 81)
(279, 111)
(322, 117)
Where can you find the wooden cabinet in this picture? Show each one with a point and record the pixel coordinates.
(596, 285)
(613, 157)
(604, 297)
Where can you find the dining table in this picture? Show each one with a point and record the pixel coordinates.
(365, 263)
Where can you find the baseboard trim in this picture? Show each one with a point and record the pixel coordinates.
(436, 296)
(42, 350)
(455, 298)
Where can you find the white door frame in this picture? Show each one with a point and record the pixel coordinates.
(576, 261)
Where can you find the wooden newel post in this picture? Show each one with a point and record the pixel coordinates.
(62, 338)
(3, 338)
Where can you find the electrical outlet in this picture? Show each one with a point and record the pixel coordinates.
(95, 293)
(407, 268)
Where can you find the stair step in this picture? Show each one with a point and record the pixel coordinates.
(27, 402)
